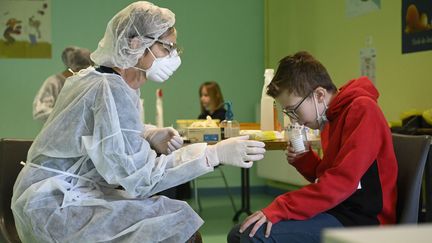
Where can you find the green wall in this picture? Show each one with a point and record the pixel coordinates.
(223, 41)
(322, 28)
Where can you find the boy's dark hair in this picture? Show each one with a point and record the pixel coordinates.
(300, 74)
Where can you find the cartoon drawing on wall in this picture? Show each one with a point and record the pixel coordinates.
(416, 26)
(34, 32)
(26, 28)
(13, 27)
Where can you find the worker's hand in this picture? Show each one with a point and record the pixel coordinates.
(164, 140)
(236, 151)
(290, 153)
(259, 219)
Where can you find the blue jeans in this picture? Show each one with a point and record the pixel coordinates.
(302, 231)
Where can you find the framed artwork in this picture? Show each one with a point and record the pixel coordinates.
(416, 26)
(26, 29)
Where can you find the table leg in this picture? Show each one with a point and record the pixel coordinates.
(245, 195)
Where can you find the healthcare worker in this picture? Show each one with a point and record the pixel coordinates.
(92, 144)
(74, 59)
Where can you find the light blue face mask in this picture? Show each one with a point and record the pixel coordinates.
(321, 118)
(162, 67)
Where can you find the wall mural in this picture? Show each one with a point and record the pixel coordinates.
(26, 29)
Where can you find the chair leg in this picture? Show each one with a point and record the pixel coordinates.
(227, 189)
(196, 196)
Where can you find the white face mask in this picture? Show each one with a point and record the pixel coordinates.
(321, 118)
(162, 68)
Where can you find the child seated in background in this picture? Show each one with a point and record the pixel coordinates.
(212, 104)
(211, 100)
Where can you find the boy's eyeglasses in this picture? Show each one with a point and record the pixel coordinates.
(291, 113)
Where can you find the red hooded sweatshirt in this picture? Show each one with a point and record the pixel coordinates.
(355, 181)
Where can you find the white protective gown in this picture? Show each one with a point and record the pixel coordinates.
(91, 145)
(46, 97)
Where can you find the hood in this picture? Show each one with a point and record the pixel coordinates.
(361, 87)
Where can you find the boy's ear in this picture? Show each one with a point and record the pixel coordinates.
(320, 94)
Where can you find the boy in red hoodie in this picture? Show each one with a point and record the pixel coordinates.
(354, 183)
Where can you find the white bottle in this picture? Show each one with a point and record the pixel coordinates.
(159, 109)
(267, 109)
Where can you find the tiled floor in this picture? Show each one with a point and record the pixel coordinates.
(217, 213)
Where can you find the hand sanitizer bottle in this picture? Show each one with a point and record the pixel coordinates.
(267, 104)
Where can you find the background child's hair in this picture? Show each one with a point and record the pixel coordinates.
(215, 93)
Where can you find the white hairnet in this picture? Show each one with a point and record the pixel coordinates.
(76, 58)
(130, 32)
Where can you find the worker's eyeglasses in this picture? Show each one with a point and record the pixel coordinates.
(291, 113)
(170, 47)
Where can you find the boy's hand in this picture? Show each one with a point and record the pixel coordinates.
(290, 153)
(259, 219)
